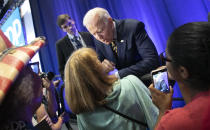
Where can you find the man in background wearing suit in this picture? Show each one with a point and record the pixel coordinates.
(123, 44)
(64, 48)
(72, 41)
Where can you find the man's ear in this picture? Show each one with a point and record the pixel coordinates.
(110, 19)
(184, 73)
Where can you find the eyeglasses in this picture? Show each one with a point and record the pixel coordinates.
(69, 24)
(164, 58)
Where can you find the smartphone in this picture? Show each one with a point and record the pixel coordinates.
(160, 80)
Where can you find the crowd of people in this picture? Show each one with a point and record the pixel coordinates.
(102, 100)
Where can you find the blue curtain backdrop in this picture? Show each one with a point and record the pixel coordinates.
(161, 17)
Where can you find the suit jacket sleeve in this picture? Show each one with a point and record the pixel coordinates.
(61, 58)
(98, 50)
(88, 39)
(146, 50)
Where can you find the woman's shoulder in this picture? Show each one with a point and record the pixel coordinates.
(132, 79)
(131, 82)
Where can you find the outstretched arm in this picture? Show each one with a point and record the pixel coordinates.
(51, 99)
(146, 50)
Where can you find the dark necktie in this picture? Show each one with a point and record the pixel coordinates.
(78, 44)
(114, 47)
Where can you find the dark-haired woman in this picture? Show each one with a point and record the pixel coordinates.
(188, 63)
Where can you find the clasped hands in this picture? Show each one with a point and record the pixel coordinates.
(108, 65)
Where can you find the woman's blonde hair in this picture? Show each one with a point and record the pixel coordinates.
(86, 83)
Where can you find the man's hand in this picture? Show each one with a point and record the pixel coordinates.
(162, 100)
(108, 65)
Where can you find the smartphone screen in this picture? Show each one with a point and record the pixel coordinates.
(35, 67)
(160, 79)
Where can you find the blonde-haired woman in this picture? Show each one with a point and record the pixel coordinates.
(91, 93)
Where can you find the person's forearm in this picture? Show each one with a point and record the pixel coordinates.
(161, 113)
(40, 113)
(52, 103)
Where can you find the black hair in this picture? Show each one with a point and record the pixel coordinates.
(189, 46)
(62, 19)
(18, 97)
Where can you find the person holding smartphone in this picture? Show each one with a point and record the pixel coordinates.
(160, 79)
(188, 63)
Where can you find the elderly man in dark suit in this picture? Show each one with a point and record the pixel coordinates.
(72, 41)
(123, 44)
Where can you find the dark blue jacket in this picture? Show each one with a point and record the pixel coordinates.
(137, 54)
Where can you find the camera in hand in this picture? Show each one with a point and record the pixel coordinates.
(49, 75)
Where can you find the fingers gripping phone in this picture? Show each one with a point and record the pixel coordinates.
(160, 80)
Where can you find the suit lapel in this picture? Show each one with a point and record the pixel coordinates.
(111, 53)
(121, 43)
(68, 48)
(121, 49)
(68, 43)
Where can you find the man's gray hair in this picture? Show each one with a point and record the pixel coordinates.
(90, 15)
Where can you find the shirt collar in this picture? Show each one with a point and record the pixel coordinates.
(72, 36)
